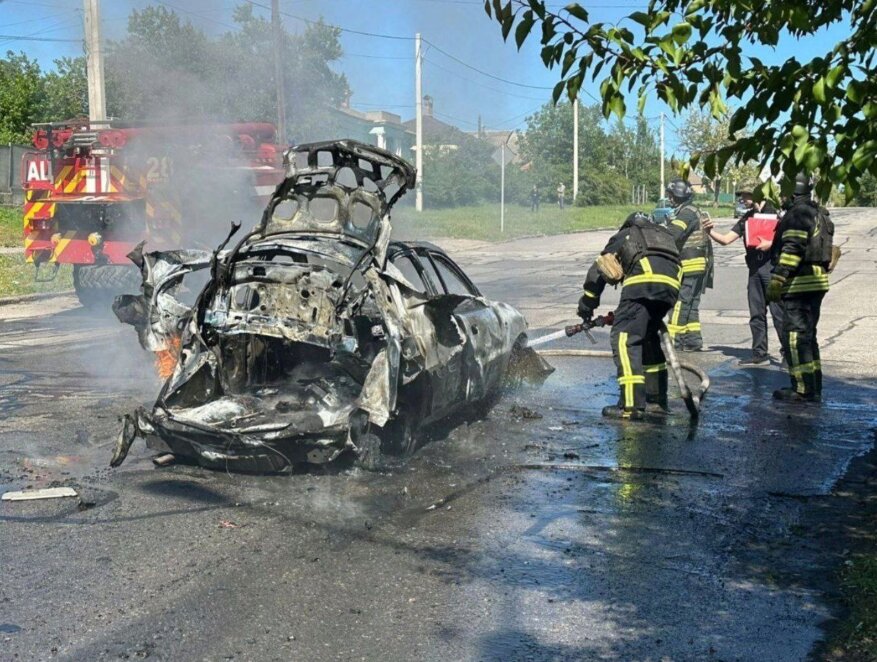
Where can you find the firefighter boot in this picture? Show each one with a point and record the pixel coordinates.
(791, 395)
(656, 391)
(614, 411)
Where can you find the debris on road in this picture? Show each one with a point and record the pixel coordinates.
(45, 493)
(164, 460)
(524, 412)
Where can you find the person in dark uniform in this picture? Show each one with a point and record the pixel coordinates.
(800, 281)
(758, 261)
(697, 266)
(534, 199)
(643, 256)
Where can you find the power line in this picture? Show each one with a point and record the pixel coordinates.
(481, 85)
(13, 37)
(37, 36)
(522, 115)
(196, 15)
(38, 4)
(337, 27)
(379, 57)
(382, 105)
(485, 73)
(456, 119)
(41, 19)
(256, 4)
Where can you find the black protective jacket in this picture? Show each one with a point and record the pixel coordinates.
(694, 244)
(805, 236)
(651, 273)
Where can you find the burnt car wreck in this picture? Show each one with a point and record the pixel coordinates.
(315, 334)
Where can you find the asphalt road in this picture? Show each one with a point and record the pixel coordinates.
(554, 538)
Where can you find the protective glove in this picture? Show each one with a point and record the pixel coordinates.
(586, 307)
(775, 288)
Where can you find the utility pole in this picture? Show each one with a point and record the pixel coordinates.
(502, 191)
(418, 121)
(575, 149)
(97, 104)
(277, 29)
(661, 193)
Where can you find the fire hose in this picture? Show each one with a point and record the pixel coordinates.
(692, 399)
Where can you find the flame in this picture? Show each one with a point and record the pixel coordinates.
(166, 359)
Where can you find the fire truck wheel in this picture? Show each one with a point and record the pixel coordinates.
(97, 285)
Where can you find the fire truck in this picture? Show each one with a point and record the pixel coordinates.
(94, 190)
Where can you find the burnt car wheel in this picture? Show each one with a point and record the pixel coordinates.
(401, 435)
(370, 455)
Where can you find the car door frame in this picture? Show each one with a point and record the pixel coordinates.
(482, 374)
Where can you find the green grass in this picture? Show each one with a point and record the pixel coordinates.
(482, 221)
(857, 638)
(11, 224)
(17, 277)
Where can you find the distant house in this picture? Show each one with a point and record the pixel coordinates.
(435, 132)
(697, 183)
(497, 138)
(375, 127)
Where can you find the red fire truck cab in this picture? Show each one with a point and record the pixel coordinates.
(93, 190)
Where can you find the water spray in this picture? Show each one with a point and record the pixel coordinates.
(692, 400)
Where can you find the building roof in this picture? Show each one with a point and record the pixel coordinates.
(435, 131)
(497, 138)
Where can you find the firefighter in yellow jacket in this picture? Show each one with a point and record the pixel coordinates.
(800, 281)
(697, 266)
(643, 256)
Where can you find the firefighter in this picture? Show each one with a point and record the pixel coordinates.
(643, 256)
(800, 280)
(697, 266)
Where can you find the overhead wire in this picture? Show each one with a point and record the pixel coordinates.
(337, 27)
(38, 35)
(40, 19)
(483, 86)
(485, 73)
(15, 37)
(456, 119)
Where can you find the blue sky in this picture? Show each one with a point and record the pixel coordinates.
(381, 71)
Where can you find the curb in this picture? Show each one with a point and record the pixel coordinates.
(40, 296)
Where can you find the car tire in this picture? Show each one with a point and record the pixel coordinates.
(400, 435)
(370, 454)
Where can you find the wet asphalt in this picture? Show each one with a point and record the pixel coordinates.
(539, 533)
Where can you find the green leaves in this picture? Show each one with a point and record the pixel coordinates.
(524, 27)
(819, 91)
(681, 32)
(811, 111)
(864, 155)
(641, 17)
(578, 11)
(738, 120)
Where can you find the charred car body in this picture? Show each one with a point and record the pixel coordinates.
(315, 334)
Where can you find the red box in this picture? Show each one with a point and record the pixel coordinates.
(760, 226)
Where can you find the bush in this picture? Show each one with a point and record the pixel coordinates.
(458, 170)
(606, 187)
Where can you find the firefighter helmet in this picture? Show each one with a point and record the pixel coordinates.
(679, 189)
(803, 184)
(637, 216)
